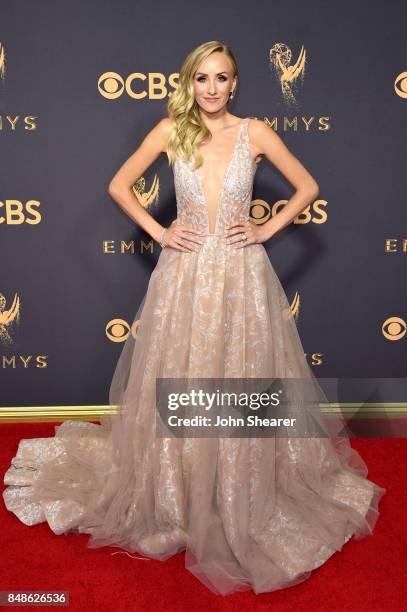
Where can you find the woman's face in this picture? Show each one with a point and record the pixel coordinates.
(213, 81)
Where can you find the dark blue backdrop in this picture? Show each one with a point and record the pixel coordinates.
(63, 138)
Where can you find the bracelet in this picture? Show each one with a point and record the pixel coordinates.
(162, 244)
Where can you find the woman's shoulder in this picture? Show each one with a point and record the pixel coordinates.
(165, 124)
(257, 132)
(255, 121)
(161, 131)
(257, 127)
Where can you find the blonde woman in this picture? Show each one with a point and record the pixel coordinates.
(250, 512)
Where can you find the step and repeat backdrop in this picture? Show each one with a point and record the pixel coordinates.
(82, 83)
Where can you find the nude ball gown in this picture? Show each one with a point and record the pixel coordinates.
(250, 513)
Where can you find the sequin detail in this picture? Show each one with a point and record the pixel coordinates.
(235, 192)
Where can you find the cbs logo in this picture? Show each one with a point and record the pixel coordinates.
(400, 85)
(394, 328)
(118, 330)
(14, 212)
(260, 211)
(137, 85)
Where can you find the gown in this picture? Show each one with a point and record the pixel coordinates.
(249, 513)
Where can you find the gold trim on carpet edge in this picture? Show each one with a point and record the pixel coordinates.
(93, 413)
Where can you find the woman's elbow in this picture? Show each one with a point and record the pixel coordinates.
(112, 188)
(313, 189)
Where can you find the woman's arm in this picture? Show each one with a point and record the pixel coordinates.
(268, 143)
(120, 186)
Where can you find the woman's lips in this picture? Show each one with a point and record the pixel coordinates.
(211, 99)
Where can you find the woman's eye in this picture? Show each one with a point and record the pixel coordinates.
(222, 77)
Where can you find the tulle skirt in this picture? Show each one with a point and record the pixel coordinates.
(250, 512)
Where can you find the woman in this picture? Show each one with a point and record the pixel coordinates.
(258, 513)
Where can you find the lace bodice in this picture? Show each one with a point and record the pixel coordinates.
(235, 192)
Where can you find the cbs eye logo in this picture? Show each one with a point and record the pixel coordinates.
(400, 85)
(260, 212)
(154, 85)
(118, 330)
(394, 328)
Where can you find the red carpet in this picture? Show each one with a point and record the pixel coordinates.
(368, 574)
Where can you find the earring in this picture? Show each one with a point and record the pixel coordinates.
(231, 95)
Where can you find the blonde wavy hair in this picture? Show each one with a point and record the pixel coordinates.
(188, 130)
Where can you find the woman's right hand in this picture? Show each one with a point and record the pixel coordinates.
(182, 238)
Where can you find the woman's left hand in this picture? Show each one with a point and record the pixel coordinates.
(255, 234)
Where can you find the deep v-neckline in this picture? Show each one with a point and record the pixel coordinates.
(222, 185)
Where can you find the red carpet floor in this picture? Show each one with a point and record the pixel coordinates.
(369, 574)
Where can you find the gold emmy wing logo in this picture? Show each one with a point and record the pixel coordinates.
(8, 317)
(394, 328)
(288, 74)
(293, 310)
(2, 61)
(400, 85)
(295, 305)
(149, 197)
